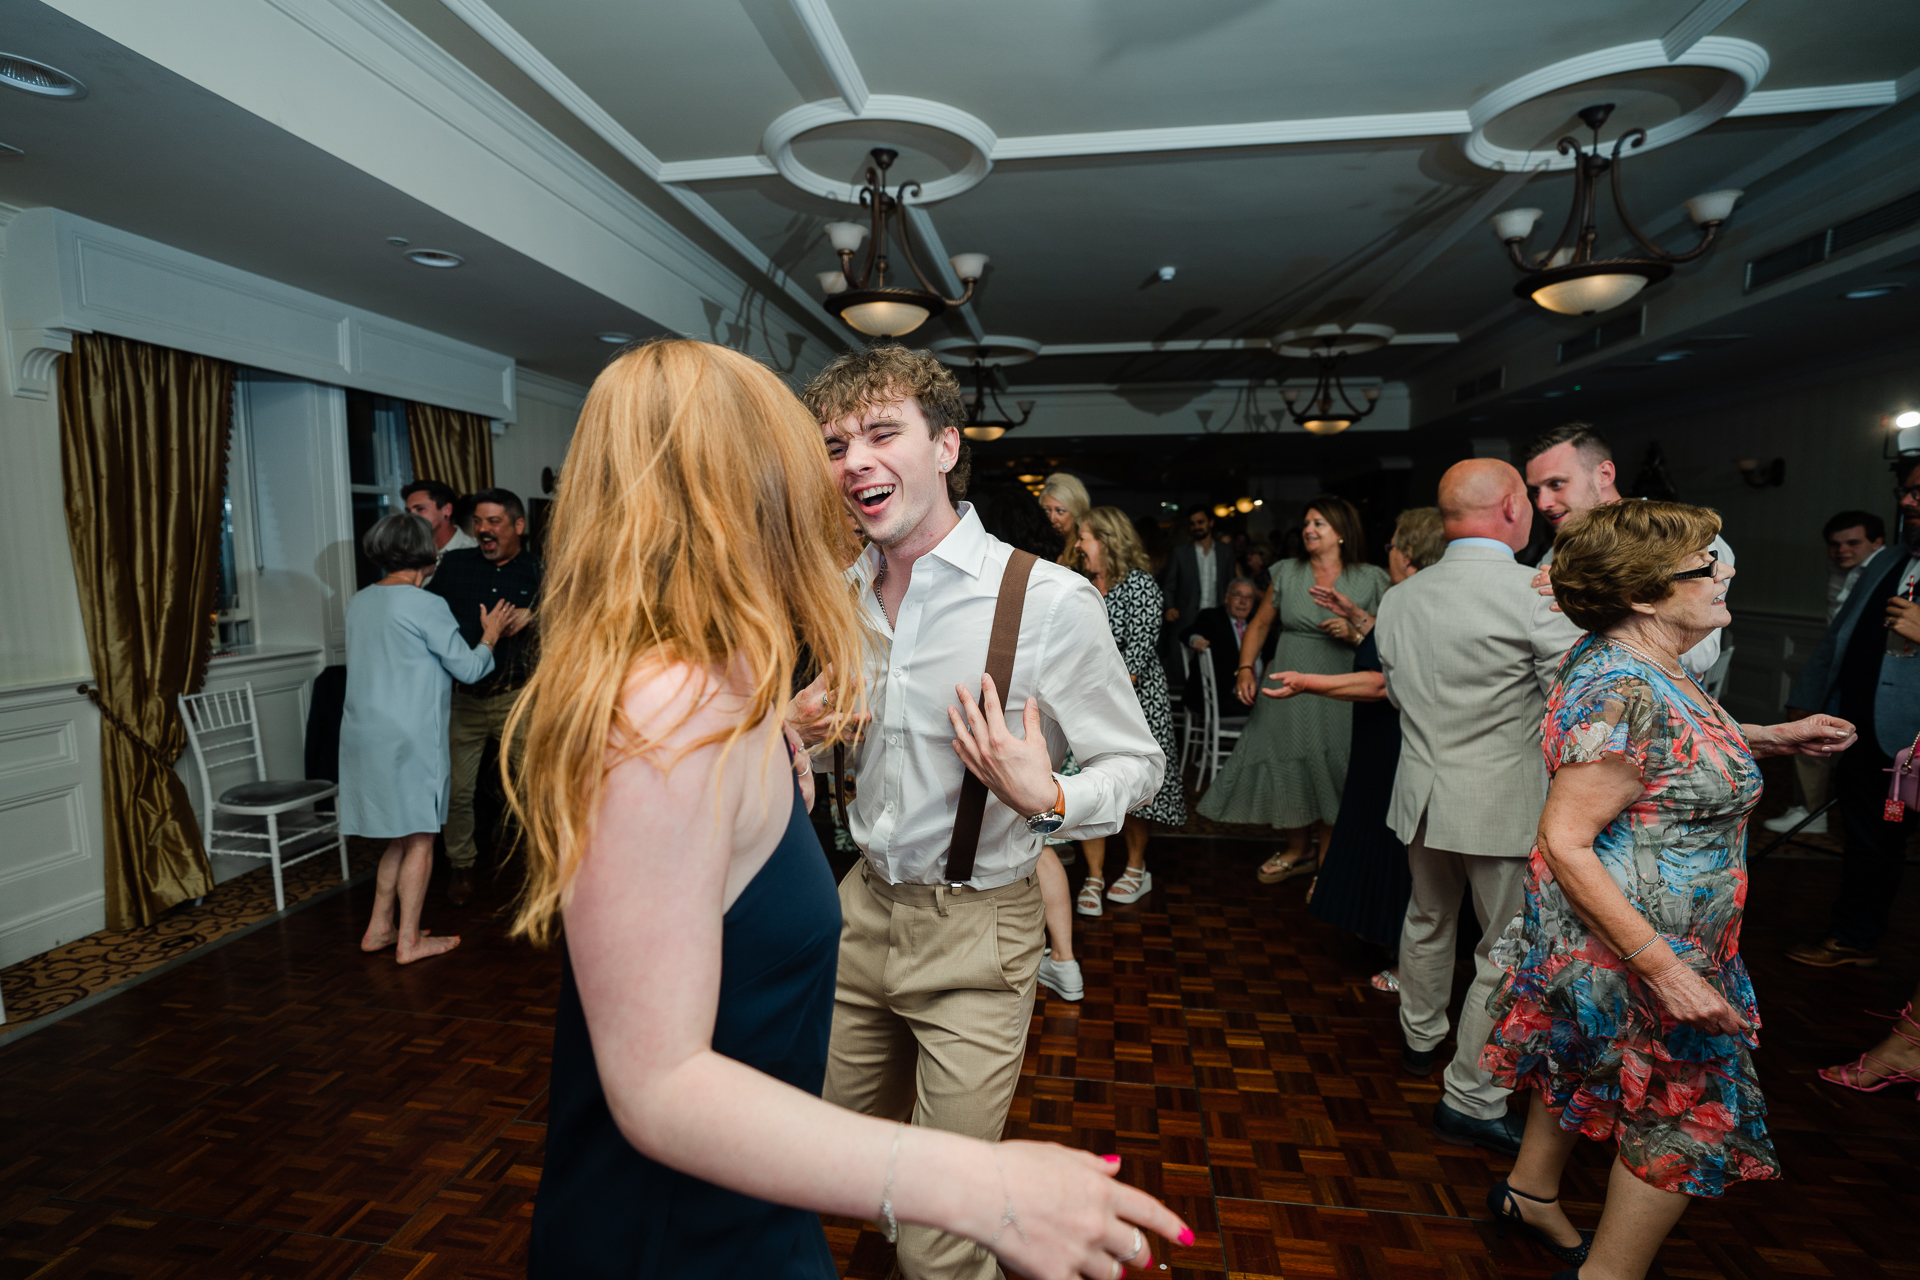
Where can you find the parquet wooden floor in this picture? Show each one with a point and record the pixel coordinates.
(287, 1107)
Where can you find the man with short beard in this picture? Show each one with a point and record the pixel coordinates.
(1867, 669)
(936, 980)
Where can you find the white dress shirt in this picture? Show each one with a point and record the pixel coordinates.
(907, 771)
(1840, 583)
(1209, 575)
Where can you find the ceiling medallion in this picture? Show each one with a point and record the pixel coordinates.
(1328, 345)
(1567, 278)
(980, 426)
(882, 109)
(865, 301)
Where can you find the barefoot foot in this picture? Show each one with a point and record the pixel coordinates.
(381, 939)
(423, 947)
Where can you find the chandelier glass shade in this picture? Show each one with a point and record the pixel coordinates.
(1328, 409)
(1567, 278)
(979, 424)
(865, 301)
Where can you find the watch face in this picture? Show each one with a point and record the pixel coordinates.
(1045, 824)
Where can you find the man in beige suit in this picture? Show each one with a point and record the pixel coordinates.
(1469, 650)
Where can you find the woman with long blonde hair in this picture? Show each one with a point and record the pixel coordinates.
(1066, 502)
(693, 553)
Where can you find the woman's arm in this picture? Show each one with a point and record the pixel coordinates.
(1256, 635)
(644, 925)
(1352, 686)
(1818, 735)
(1582, 801)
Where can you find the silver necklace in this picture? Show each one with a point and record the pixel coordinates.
(879, 578)
(1681, 674)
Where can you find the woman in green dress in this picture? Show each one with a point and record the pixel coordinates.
(1291, 762)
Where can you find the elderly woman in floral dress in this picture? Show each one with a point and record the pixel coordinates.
(1626, 1008)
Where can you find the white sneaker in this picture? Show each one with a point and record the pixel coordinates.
(1792, 818)
(1063, 979)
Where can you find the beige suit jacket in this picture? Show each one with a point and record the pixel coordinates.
(1469, 650)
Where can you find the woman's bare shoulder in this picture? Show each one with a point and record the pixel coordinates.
(674, 705)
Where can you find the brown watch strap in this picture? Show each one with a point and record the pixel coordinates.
(1001, 644)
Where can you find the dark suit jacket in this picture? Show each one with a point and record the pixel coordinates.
(1223, 649)
(1180, 582)
(1896, 697)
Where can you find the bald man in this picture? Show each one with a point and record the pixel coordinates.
(1469, 650)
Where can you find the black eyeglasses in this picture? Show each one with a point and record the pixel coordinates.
(1704, 571)
(1909, 491)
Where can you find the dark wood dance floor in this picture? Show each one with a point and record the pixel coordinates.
(284, 1106)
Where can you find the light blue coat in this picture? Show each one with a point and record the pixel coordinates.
(404, 652)
(1896, 702)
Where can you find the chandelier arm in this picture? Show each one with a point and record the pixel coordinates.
(1636, 137)
(906, 237)
(872, 207)
(1572, 225)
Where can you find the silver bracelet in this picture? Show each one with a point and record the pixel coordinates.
(1007, 1215)
(1642, 947)
(889, 1223)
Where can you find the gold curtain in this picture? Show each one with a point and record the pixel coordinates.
(452, 447)
(143, 447)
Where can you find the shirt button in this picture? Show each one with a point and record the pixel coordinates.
(894, 741)
(896, 673)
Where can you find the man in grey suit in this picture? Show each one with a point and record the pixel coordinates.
(1867, 670)
(1195, 578)
(1469, 650)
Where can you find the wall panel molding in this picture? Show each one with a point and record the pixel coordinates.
(63, 274)
(51, 885)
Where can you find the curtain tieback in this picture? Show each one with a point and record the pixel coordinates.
(127, 731)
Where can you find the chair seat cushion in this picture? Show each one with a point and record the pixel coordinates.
(271, 792)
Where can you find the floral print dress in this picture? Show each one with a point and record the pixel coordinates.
(1569, 1019)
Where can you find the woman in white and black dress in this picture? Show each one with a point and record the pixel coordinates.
(1134, 610)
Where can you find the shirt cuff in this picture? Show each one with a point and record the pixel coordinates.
(1083, 799)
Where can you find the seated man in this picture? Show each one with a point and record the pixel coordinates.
(1214, 635)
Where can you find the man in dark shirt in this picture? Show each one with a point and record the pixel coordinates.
(1215, 636)
(498, 569)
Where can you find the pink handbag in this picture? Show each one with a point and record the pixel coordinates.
(1903, 792)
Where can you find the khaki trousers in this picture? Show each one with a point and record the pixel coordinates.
(477, 720)
(1426, 962)
(930, 1020)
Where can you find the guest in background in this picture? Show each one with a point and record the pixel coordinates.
(1570, 469)
(1468, 649)
(433, 502)
(498, 568)
(1196, 578)
(404, 651)
(1867, 671)
(1255, 564)
(1625, 1007)
(1119, 565)
(1291, 762)
(1064, 500)
(1363, 883)
(1854, 540)
(1153, 539)
(1214, 636)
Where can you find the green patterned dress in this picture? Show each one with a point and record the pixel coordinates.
(1291, 763)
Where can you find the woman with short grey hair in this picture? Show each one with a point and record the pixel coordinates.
(404, 652)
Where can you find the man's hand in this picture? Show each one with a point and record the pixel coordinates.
(1173, 615)
(1287, 683)
(1017, 770)
(1199, 644)
(519, 621)
(810, 716)
(1543, 583)
(1903, 618)
(802, 764)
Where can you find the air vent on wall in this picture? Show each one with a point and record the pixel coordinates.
(1835, 240)
(1601, 336)
(1491, 380)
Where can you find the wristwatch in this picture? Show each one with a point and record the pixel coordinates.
(1045, 824)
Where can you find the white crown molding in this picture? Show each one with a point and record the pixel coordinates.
(831, 46)
(1745, 62)
(548, 389)
(1700, 21)
(511, 45)
(64, 274)
(1265, 133)
(1214, 344)
(718, 169)
(777, 143)
(1822, 97)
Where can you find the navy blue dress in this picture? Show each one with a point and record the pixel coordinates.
(1365, 883)
(605, 1210)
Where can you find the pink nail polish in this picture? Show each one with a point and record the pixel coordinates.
(1186, 1235)
(1111, 1159)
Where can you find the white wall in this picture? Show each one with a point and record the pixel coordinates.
(540, 434)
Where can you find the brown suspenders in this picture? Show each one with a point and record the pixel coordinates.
(1002, 642)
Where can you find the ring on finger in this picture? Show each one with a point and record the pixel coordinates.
(1139, 1243)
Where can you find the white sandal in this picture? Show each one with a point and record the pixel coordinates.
(1088, 903)
(1133, 885)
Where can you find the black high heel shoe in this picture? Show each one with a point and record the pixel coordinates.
(1500, 1202)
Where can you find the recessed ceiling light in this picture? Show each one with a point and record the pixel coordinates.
(437, 258)
(1165, 273)
(1871, 291)
(398, 242)
(1668, 357)
(615, 338)
(38, 78)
